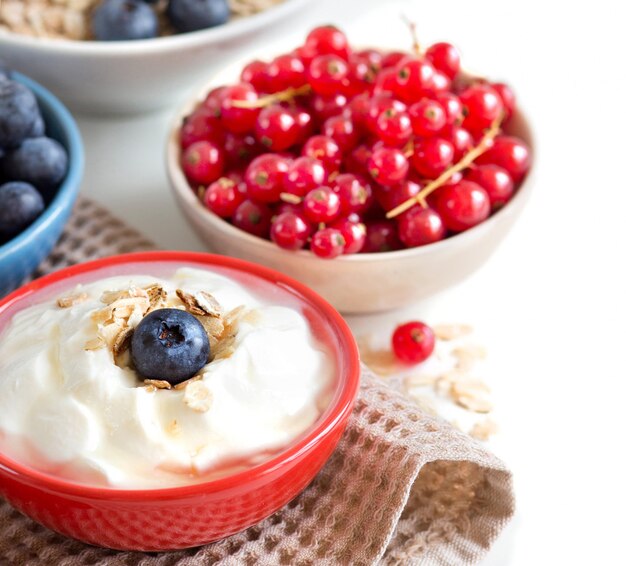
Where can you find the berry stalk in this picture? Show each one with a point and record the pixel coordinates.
(282, 96)
(463, 163)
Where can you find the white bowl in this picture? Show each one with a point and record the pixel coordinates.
(126, 77)
(360, 283)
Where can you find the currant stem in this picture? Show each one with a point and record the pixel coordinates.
(463, 163)
(413, 31)
(290, 198)
(282, 96)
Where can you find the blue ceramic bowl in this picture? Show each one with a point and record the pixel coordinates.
(20, 256)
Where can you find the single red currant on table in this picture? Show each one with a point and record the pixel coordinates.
(413, 342)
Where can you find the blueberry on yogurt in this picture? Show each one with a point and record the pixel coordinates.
(170, 345)
(118, 20)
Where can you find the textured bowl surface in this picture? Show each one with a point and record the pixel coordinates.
(20, 256)
(358, 283)
(192, 515)
(129, 77)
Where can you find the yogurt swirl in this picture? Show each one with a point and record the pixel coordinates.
(73, 412)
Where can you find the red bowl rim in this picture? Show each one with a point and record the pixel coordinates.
(335, 416)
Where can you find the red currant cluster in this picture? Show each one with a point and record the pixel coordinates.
(350, 151)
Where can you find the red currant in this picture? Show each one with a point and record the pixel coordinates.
(413, 342)
(235, 119)
(353, 233)
(386, 82)
(358, 109)
(381, 236)
(356, 161)
(392, 59)
(432, 156)
(390, 197)
(240, 150)
(321, 205)
(496, 181)
(354, 193)
(441, 83)
(285, 71)
(203, 162)
(305, 174)
(265, 177)
(325, 107)
(326, 40)
(452, 107)
(255, 73)
(420, 226)
(328, 243)
(328, 74)
(462, 205)
(482, 105)
(445, 58)
(379, 104)
(213, 101)
(305, 124)
(343, 131)
(388, 166)
(415, 78)
(290, 231)
(460, 138)
(201, 126)
(393, 127)
(276, 128)
(507, 97)
(510, 153)
(223, 197)
(253, 217)
(325, 149)
(427, 117)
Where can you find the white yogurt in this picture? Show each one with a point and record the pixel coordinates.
(71, 411)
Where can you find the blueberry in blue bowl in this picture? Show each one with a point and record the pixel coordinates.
(41, 167)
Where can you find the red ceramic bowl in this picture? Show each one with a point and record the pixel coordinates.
(191, 515)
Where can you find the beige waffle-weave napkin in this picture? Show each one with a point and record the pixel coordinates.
(402, 487)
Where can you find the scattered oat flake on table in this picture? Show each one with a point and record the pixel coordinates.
(484, 430)
(451, 331)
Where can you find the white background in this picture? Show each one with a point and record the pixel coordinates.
(550, 304)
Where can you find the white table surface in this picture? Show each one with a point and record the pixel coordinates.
(549, 305)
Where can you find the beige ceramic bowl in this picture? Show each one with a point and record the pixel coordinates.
(360, 283)
(128, 77)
